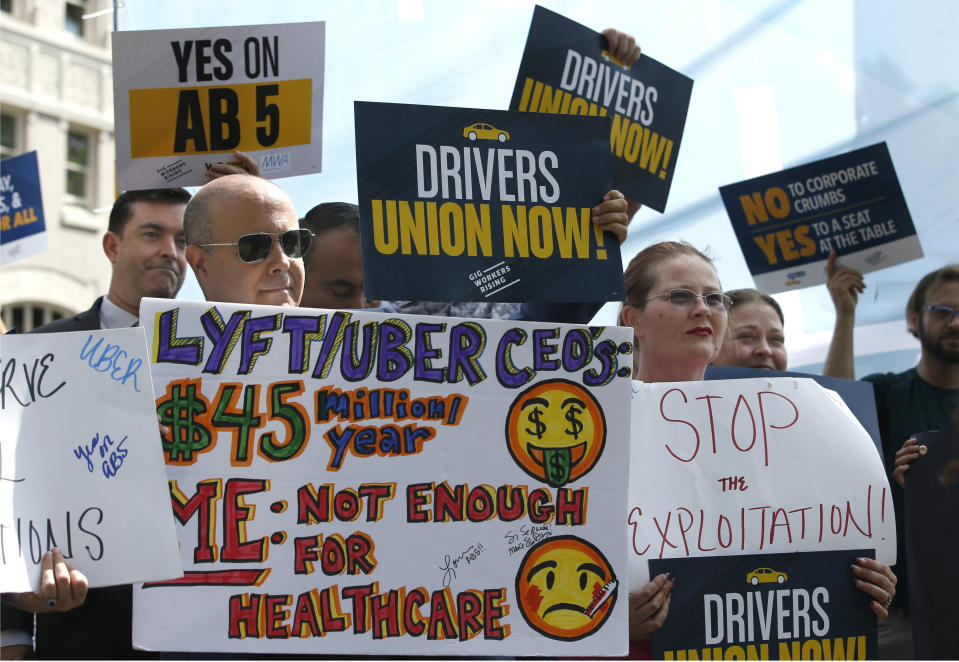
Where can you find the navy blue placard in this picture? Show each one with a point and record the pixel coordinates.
(794, 605)
(858, 396)
(788, 222)
(932, 538)
(21, 205)
(566, 69)
(458, 204)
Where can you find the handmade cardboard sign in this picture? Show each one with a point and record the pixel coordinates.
(751, 466)
(567, 69)
(81, 465)
(352, 482)
(497, 203)
(22, 229)
(789, 606)
(186, 98)
(858, 396)
(788, 222)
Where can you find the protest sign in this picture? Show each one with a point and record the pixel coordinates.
(790, 606)
(751, 466)
(186, 98)
(497, 203)
(858, 396)
(351, 482)
(788, 222)
(567, 69)
(932, 538)
(22, 228)
(81, 465)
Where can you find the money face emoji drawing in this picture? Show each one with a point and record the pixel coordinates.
(555, 431)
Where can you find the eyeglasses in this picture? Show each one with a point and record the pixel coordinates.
(942, 314)
(680, 296)
(254, 247)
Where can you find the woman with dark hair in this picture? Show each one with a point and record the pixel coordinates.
(679, 314)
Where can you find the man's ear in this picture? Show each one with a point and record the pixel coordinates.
(912, 322)
(111, 241)
(197, 258)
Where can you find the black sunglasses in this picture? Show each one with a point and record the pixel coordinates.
(254, 247)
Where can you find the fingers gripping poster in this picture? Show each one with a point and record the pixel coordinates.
(348, 482)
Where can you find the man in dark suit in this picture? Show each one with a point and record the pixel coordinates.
(146, 248)
(144, 243)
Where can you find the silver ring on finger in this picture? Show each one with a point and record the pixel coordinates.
(887, 603)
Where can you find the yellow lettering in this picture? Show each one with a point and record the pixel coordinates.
(653, 146)
(551, 102)
(412, 227)
(385, 237)
(808, 245)
(634, 141)
(451, 229)
(777, 202)
(572, 230)
(617, 135)
(768, 245)
(753, 208)
(478, 230)
(515, 233)
(540, 232)
(811, 650)
(524, 97)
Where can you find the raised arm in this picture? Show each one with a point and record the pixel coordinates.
(845, 285)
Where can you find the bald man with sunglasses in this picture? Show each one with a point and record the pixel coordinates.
(244, 242)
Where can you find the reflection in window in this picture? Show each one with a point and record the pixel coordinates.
(79, 166)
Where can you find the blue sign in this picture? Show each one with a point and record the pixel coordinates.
(458, 204)
(566, 69)
(788, 222)
(22, 229)
(789, 606)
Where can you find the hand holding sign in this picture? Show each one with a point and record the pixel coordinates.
(62, 587)
(909, 453)
(844, 284)
(613, 215)
(623, 49)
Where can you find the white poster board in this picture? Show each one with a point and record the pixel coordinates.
(186, 98)
(81, 463)
(352, 482)
(745, 466)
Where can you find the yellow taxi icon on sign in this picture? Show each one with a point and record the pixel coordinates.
(485, 132)
(766, 576)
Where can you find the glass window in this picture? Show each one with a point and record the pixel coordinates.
(9, 144)
(73, 16)
(79, 166)
(26, 316)
(6, 6)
